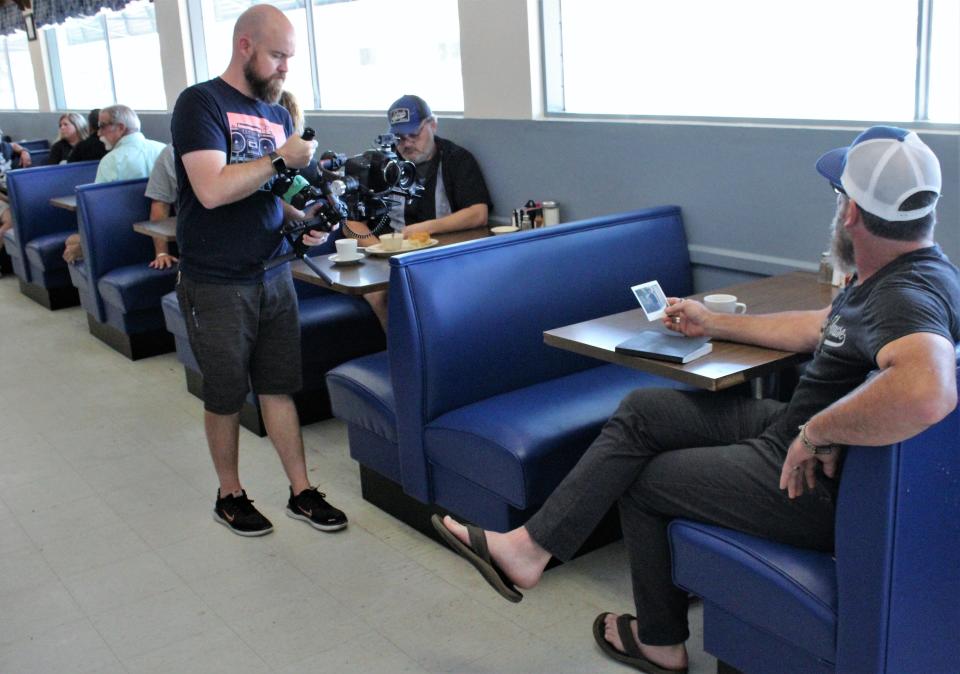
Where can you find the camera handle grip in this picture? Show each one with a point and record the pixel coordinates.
(308, 134)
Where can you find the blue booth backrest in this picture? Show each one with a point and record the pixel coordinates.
(34, 145)
(105, 215)
(898, 554)
(475, 313)
(39, 157)
(30, 191)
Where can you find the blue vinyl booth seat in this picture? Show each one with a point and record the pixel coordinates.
(888, 601)
(470, 411)
(119, 291)
(334, 328)
(35, 243)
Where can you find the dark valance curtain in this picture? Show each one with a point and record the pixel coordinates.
(52, 12)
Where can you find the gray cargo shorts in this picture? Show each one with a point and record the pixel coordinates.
(243, 335)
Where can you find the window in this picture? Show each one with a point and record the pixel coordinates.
(818, 59)
(351, 54)
(18, 89)
(944, 84)
(372, 52)
(113, 57)
(218, 18)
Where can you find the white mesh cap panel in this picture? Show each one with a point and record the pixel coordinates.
(881, 173)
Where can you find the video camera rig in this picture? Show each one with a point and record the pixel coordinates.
(347, 188)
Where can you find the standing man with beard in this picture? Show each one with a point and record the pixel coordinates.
(883, 370)
(230, 140)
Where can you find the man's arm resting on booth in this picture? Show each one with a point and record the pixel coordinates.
(915, 388)
(465, 218)
(162, 259)
(797, 331)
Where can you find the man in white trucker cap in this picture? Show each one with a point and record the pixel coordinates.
(883, 369)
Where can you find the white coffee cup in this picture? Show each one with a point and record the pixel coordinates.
(392, 241)
(724, 304)
(346, 249)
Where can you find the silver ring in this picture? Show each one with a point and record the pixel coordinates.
(676, 319)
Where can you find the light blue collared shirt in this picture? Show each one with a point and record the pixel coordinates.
(132, 157)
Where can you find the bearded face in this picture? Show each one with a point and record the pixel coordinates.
(266, 88)
(841, 245)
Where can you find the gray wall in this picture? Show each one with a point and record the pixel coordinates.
(752, 201)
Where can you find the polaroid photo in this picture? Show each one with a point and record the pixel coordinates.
(651, 299)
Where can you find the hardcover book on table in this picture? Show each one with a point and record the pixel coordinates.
(666, 346)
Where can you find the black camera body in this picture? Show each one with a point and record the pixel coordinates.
(347, 188)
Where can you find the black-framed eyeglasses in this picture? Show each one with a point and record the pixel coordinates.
(412, 136)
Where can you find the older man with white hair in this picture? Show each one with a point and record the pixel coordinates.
(132, 155)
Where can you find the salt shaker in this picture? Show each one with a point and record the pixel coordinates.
(525, 222)
(826, 269)
(551, 213)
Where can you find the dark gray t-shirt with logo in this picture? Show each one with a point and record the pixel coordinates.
(917, 292)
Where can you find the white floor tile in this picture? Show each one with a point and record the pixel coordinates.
(364, 654)
(35, 610)
(74, 648)
(155, 622)
(22, 568)
(83, 551)
(47, 523)
(122, 583)
(218, 651)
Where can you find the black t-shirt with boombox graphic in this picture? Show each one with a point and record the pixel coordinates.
(231, 243)
(917, 292)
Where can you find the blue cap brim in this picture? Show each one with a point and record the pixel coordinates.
(408, 127)
(831, 165)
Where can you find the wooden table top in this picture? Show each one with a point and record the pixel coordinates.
(67, 202)
(165, 229)
(372, 274)
(730, 363)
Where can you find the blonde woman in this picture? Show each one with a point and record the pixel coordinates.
(289, 101)
(73, 129)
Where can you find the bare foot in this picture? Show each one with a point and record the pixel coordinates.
(668, 657)
(517, 555)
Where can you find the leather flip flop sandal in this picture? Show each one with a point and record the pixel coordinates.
(478, 555)
(633, 657)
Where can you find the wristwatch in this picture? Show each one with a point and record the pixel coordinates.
(814, 449)
(279, 165)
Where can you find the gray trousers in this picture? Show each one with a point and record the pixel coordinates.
(691, 454)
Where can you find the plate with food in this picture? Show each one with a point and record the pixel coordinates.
(413, 242)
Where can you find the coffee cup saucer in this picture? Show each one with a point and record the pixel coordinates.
(353, 259)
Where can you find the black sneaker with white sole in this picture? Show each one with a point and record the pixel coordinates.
(239, 516)
(311, 507)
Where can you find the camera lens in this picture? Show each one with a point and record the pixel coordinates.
(392, 173)
(408, 174)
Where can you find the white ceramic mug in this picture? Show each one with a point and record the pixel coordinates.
(392, 241)
(346, 249)
(724, 304)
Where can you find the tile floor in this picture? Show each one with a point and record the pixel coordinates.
(111, 562)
